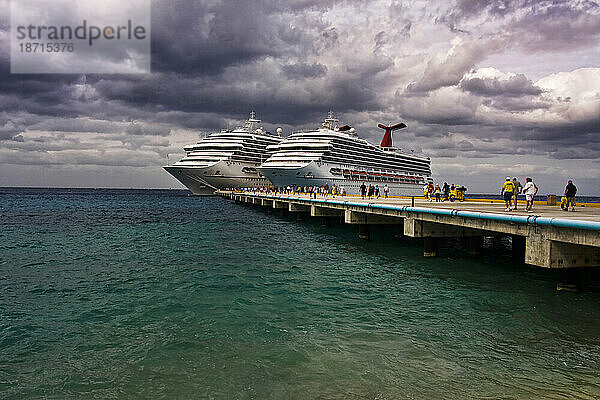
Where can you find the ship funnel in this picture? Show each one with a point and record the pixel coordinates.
(387, 137)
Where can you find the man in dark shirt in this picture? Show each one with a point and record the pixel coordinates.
(363, 190)
(446, 190)
(570, 191)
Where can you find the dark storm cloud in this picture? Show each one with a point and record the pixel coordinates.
(140, 128)
(462, 58)
(192, 37)
(304, 70)
(567, 26)
(190, 120)
(497, 9)
(122, 157)
(512, 104)
(349, 88)
(584, 132)
(9, 130)
(447, 106)
(214, 61)
(76, 125)
(200, 41)
(568, 140)
(514, 86)
(539, 25)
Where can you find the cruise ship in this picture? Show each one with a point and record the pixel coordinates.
(228, 159)
(337, 156)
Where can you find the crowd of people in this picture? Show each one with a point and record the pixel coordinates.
(511, 190)
(446, 192)
(312, 191)
(370, 192)
(373, 191)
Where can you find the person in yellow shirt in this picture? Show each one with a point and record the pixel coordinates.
(508, 188)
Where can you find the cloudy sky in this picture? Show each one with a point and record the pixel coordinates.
(488, 88)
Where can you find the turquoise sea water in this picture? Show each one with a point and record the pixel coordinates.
(156, 294)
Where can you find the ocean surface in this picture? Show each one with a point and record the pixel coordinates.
(137, 294)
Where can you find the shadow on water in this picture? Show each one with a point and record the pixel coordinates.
(496, 255)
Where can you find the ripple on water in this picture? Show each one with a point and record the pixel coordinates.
(153, 294)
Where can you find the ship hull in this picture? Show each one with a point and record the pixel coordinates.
(190, 177)
(234, 175)
(318, 174)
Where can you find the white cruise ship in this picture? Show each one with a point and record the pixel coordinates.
(337, 156)
(228, 159)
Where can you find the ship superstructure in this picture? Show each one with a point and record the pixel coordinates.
(227, 159)
(335, 155)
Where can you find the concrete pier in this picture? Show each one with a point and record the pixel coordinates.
(548, 237)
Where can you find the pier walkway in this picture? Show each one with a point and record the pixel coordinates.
(548, 237)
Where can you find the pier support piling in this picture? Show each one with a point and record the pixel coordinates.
(431, 246)
(316, 211)
(364, 232)
(418, 228)
(497, 242)
(293, 207)
(554, 254)
(569, 279)
(353, 217)
(279, 204)
(474, 245)
(399, 231)
(518, 247)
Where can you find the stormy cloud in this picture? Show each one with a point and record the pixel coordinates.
(479, 84)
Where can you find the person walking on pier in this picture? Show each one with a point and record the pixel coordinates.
(530, 190)
(446, 190)
(438, 193)
(507, 190)
(386, 191)
(363, 190)
(570, 192)
(518, 189)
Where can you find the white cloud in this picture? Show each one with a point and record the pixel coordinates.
(576, 94)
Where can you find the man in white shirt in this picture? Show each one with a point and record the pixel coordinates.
(530, 190)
